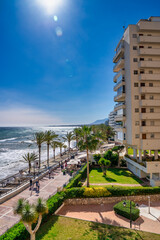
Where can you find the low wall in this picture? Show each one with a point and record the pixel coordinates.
(105, 200)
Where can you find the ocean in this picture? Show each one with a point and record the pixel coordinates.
(17, 141)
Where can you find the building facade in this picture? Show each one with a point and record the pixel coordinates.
(137, 78)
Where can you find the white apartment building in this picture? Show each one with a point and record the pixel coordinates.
(137, 68)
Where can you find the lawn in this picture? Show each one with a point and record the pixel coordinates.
(113, 176)
(58, 228)
(130, 151)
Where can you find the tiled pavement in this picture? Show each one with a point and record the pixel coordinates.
(48, 187)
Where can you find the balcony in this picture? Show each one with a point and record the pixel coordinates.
(149, 77)
(150, 116)
(149, 64)
(120, 105)
(136, 164)
(119, 65)
(119, 84)
(149, 26)
(118, 76)
(149, 39)
(119, 128)
(150, 103)
(150, 129)
(149, 51)
(120, 118)
(150, 90)
(150, 144)
(120, 97)
(119, 52)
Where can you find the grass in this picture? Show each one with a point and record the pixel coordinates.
(130, 151)
(58, 228)
(113, 176)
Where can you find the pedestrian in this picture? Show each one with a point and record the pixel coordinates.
(49, 173)
(30, 184)
(38, 186)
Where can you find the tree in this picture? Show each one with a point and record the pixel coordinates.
(88, 142)
(104, 163)
(30, 157)
(97, 157)
(54, 145)
(69, 137)
(39, 139)
(113, 157)
(49, 136)
(118, 149)
(61, 145)
(77, 134)
(30, 214)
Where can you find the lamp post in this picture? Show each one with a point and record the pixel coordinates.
(149, 204)
(130, 206)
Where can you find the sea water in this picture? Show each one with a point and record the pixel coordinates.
(15, 142)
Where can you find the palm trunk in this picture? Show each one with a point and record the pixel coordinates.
(60, 151)
(48, 154)
(69, 149)
(29, 167)
(29, 229)
(87, 168)
(54, 153)
(39, 156)
(118, 160)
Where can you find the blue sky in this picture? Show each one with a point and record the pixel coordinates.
(56, 70)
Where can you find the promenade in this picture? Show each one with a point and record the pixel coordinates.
(48, 187)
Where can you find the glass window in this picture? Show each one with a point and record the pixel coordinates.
(136, 97)
(143, 110)
(152, 123)
(150, 72)
(142, 84)
(150, 84)
(152, 135)
(135, 59)
(137, 135)
(151, 110)
(135, 72)
(134, 35)
(134, 47)
(135, 84)
(137, 123)
(151, 97)
(136, 109)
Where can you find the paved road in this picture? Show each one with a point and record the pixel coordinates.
(48, 187)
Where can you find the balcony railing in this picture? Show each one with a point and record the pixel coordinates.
(118, 75)
(119, 52)
(119, 65)
(119, 83)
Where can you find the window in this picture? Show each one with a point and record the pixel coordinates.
(149, 59)
(143, 136)
(141, 59)
(143, 96)
(141, 46)
(137, 135)
(152, 135)
(142, 84)
(152, 123)
(143, 123)
(140, 34)
(149, 46)
(150, 72)
(142, 71)
(136, 109)
(135, 84)
(149, 34)
(137, 123)
(143, 110)
(151, 97)
(134, 47)
(135, 72)
(151, 110)
(150, 84)
(135, 60)
(136, 97)
(134, 35)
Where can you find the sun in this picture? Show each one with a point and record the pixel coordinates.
(50, 5)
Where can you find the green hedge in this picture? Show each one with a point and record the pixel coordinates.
(75, 181)
(125, 211)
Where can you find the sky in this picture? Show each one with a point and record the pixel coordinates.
(56, 58)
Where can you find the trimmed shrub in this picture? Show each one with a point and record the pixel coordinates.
(17, 232)
(74, 192)
(125, 211)
(96, 192)
(113, 157)
(75, 181)
(97, 157)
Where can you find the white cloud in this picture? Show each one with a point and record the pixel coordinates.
(26, 116)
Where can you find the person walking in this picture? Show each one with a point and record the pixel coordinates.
(38, 186)
(30, 184)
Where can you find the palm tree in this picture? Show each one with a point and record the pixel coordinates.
(49, 136)
(88, 142)
(54, 145)
(30, 157)
(61, 145)
(30, 213)
(39, 139)
(77, 134)
(69, 137)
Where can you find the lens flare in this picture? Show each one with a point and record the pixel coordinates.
(55, 18)
(59, 31)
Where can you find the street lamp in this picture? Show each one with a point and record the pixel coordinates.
(149, 204)
(130, 206)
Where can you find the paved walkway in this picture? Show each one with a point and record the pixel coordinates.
(104, 214)
(48, 187)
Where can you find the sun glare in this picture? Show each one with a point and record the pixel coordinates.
(50, 5)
